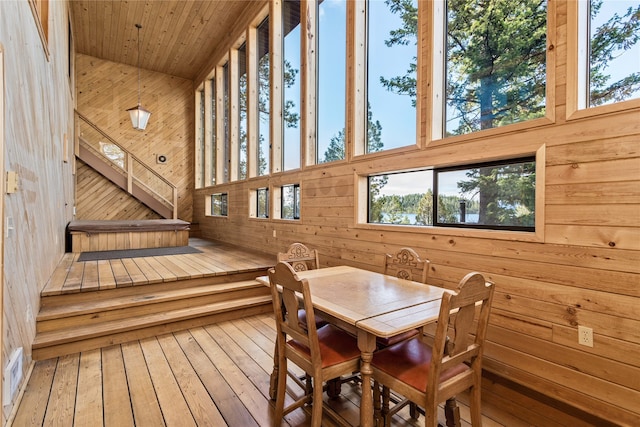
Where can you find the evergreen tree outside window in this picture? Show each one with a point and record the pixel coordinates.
(392, 27)
(614, 51)
(262, 203)
(227, 115)
(495, 63)
(201, 133)
(291, 201)
(219, 204)
(214, 127)
(332, 66)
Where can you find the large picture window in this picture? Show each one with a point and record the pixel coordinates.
(495, 63)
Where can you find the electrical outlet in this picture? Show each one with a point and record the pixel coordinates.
(585, 336)
(274, 233)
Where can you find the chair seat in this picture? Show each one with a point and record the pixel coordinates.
(302, 320)
(386, 342)
(335, 346)
(409, 361)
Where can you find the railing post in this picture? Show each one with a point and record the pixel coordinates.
(129, 161)
(175, 203)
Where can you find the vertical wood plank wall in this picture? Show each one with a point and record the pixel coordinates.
(38, 114)
(583, 269)
(105, 91)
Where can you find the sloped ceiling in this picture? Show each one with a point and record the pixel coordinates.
(178, 37)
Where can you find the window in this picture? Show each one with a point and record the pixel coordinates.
(264, 120)
(219, 204)
(401, 198)
(291, 84)
(492, 195)
(242, 111)
(391, 74)
(200, 144)
(495, 64)
(262, 203)
(213, 132)
(496, 195)
(290, 208)
(226, 96)
(614, 51)
(331, 91)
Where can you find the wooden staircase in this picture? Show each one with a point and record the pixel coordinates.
(74, 319)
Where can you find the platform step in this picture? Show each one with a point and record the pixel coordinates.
(79, 338)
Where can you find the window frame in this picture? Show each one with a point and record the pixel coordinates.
(224, 205)
(258, 214)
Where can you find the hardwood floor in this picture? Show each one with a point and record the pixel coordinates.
(213, 374)
(206, 376)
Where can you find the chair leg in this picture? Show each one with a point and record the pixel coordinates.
(386, 393)
(316, 409)
(281, 386)
(413, 411)
(474, 400)
(377, 413)
(273, 379)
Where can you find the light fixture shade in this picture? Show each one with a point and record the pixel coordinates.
(139, 117)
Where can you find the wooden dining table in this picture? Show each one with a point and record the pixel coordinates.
(370, 305)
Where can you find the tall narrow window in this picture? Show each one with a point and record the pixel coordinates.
(291, 84)
(331, 93)
(391, 74)
(201, 135)
(614, 51)
(213, 132)
(495, 63)
(226, 95)
(264, 100)
(219, 204)
(242, 111)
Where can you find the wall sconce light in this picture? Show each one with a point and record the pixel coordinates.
(139, 115)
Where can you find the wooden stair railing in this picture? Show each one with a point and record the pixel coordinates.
(124, 169)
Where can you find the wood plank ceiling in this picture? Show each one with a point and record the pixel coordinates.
(177, 37)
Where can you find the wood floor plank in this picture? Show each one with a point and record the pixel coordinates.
(225, 399)
(146, 408)
(174, 407)
(117, 403)
(166, 274)
(90, 280)
(56, 282)
(250, 396)
(120, 273)
(89, 403)
(105, 274)
(61, 406)
(33, 405)
(149, 272)
(137, 277)
(202, 407)
(73, 283)
(173, 267)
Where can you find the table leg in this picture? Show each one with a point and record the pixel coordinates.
(452, 413)
(366, 344)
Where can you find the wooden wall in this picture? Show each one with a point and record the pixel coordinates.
(38, 125)
(105, 91)
(581, 268)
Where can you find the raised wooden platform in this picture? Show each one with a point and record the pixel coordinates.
(91, 304)
(97, 235)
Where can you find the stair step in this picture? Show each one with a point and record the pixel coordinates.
(127, 301)
(75, 334)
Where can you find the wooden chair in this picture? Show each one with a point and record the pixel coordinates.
(324, 353)
(300, 257)
(405, 264)
(430, 374)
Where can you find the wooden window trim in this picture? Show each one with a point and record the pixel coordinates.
(40, 10)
